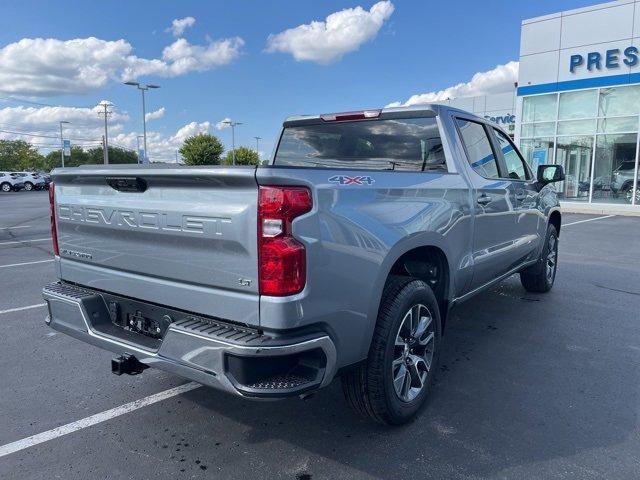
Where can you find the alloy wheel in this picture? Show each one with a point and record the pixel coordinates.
(413, 352)
(629, 195)
(6, 187)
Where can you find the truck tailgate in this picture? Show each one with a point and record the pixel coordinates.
(178, 236)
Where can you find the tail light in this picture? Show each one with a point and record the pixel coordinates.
(54, 228)
(281, 258)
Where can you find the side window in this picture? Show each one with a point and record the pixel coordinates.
(514, 162)
(479, 151)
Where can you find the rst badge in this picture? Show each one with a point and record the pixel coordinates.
(346, 180)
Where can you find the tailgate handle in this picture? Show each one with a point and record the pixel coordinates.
(127, 184)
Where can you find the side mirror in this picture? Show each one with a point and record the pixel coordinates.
(550, 174)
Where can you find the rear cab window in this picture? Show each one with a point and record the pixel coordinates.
(402, 144)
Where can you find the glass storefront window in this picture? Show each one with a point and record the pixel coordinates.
(574, 154)
(619, 101)
(538, 129)
(537, 151)
(539, 108)
(576, 127)
(580, 104)
(618, 125)
(614, 168)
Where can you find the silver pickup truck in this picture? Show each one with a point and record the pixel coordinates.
(342, 257)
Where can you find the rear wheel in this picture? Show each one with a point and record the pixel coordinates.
(6, 187)
(394, 382)
(28, 186)
(540, 277)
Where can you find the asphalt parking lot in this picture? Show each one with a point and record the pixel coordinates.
(530, 386)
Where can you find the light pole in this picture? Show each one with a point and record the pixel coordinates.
(233, 125)
(140, 160)
(258, 147)
(62, 142)
(144, 112)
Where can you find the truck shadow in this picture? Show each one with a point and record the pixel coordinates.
(520, 381)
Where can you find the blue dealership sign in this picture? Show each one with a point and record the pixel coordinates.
(610, 59)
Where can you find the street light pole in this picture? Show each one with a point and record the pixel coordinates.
(140, 160)
(258, 147)
(144, 112)
(62, 142)
(233, 125)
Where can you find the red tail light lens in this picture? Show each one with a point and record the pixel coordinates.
(52, 210)
(281, 258)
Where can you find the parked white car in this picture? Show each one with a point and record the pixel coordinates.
(32, 181)
(8, 182)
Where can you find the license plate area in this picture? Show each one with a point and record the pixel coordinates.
(138, 323)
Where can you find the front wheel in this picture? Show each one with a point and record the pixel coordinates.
(628, 194)
(393, 383)
(6, 187)
(539, 278)
(28, 186)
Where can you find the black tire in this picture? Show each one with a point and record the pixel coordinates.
(28, 186)
(539, 278)
(369, 387)
(6, 187)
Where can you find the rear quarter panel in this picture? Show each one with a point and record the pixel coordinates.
(353, 236)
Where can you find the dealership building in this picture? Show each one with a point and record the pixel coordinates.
(577, 103)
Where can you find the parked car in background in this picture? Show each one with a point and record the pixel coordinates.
(32, 181)
(47, 179)
(9, 183)
(622, 180)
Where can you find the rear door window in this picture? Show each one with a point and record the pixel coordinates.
(479, 152)
(410, 144)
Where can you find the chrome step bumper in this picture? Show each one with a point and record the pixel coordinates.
(209, 351)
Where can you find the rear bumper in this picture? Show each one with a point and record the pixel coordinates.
(209, 351)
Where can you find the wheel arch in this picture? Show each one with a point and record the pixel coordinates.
(555, 219)
(427, 246)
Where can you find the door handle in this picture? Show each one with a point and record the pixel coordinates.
(484, 199)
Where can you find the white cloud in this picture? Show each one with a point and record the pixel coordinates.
(162, 147)
(498, 80)
(155, 115)
(222, 124)
(341, 32)
(46, 67)
(86, 130)
(85, 127)
(179, 25)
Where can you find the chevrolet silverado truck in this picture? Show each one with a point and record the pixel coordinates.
(342, 257)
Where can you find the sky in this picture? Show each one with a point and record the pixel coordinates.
(252, 62)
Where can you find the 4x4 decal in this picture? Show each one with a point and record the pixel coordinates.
(346, 180)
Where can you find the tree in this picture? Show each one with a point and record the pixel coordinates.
(202, 149)
(20, 155)
(244, 156)
(93, 156)
(117, 155)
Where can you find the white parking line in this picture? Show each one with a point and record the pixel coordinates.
(94, 419)
(17, 226)
(25, 263)
(26, 241)
(587, 220)
(19, 309)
